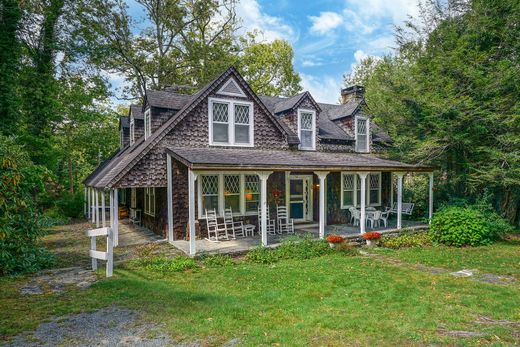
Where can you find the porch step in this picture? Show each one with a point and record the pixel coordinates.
(305, 225)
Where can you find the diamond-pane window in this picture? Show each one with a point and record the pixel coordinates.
(232, 192)
(220, 112)
(210, 185)
(252, 192)
(307, 131)
(362, 135)
(374, 181)
(306, 121)
(241, 114)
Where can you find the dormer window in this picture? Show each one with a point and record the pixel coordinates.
(230, 123)
(307, 129)
(147, 124)
(362, 129)
(132, 131)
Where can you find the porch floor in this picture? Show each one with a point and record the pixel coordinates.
(244, 244)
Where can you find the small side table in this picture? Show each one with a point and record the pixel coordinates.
(249, 228)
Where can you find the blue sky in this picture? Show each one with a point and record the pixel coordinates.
(328, 36)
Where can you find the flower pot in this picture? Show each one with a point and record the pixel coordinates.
(332, 245)
(371, 243)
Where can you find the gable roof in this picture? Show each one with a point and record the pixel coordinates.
(166, 99)
(136, 111)
(126, 161)
(124, 122)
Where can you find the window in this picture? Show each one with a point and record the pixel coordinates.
(147, 124)
(306, 129)
(132, 131)
(149, 201)
(230, 122)
(238, 191)
(133, 198)
(252, 193)
(362, 129)
(350, 183)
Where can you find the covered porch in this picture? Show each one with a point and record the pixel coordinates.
(312, 213)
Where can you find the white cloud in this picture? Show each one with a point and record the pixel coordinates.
(360, 55)
(254, 19)
(323, 88)
(398, 10)
(311, 63)
(325, 22)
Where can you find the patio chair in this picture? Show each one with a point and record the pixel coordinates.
(374, 219)
(236, 228)
(356, 216)
(351, 209)
(271, 226)
(285, 224)
(216, 230)
(384, 217)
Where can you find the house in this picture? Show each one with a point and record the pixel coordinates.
(225, 146)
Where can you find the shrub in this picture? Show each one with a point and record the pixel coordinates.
(164, 265)
(71, 205)
(346, 249)
(467, 226)
(407, 240)
(217, 260)
(262, 255)
(305, 248)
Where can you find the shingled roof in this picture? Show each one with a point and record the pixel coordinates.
(137, 111)
(215, 158)
(167, 99)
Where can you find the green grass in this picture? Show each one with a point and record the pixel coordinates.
(501, 258)
(329, 300)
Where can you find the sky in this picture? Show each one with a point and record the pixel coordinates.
(328, 36)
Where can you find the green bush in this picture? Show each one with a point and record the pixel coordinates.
(163, 264)
(21, 183)
(262, 255)
(71, 205)
(217, 260)
(467, 226)
(407, 240)
(295, 248)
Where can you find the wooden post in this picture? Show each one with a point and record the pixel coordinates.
(85, 201)
(116, 218)
(362, 220)
(170, 196)
(110, 252)
(430, 198)
(93, 247)
(399, 198)
(322, 176)
(192, 176)
(103, 213)
(93, 206)
(263, 204)
(89, 211)
(97, 208)
(111, 206)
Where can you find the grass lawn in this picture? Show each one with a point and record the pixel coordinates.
(331, 300)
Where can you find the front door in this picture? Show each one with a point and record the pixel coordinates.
(300, 199)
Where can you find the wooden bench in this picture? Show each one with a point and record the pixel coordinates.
(406, 208)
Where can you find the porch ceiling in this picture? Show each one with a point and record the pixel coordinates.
(256, 159)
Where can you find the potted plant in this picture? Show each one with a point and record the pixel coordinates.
(371, 237)
(333, 240)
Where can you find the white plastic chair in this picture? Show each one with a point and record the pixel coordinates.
(215, 230)
(356, 216)
(374, 218)
(236, 228)
(285, 224)
(271, 226)
(384, 217)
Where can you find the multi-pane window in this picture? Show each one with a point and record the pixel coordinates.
(306, 129)
(350, 183)
(238, 191)
(231, 122)
(132, 131)
(252, 192)
(149, 201)
(362, 129)
(210, 192)
(232, 192)
(147, 124)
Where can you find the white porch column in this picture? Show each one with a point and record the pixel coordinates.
(362, 220)
(93, 205)
(192, 176)
(97, 208)
(89, 210)
(116, 218)
(399, 198)
(103, 213)
(111, 205)
(263, 204)
(430, 198)
(170, 197)
(85, 201)
(322, 176)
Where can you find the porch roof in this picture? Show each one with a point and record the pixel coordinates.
(256, 159)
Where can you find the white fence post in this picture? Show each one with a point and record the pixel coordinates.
(108, 256)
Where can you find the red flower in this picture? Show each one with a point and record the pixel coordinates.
(371, 235)
(334, 239)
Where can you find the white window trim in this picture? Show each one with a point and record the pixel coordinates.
(132, 131)
(231, 122)
(231, 80)
(368, 133)
(221, 175)
(367, 190)
(147, 124)
(149, 211)
(302, 110)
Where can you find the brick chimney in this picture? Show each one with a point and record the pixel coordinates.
(352, 93)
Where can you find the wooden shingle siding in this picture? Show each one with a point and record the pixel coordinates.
(160, 116)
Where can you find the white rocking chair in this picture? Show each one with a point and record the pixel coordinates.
(271, 225)
(237, 228)
(285, 224)
(216, 231)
